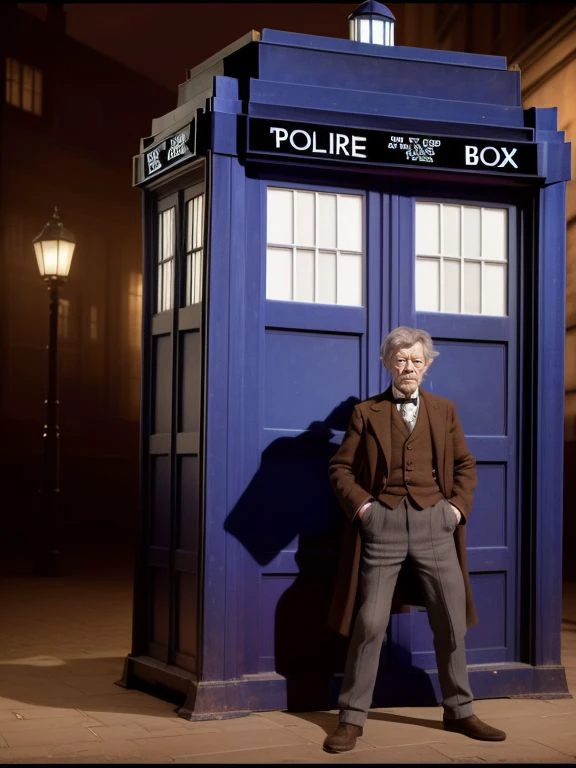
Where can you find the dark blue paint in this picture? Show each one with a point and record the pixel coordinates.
(421, 55)
(549, 427)
(309, 371)
(473, 373)
(494, 120)
(281, 378)
(490, 529)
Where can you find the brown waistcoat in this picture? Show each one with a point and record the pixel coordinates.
(411, 470)
(359, 470)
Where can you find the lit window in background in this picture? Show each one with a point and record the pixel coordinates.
(134, 341)
(23, 86)
(134, 310)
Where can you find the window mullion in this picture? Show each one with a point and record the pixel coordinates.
(462, 261)
(316, 256)
(481, 264)
(441, 256)
(294, 241)
(337, 244)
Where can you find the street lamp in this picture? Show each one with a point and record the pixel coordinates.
(54, 248)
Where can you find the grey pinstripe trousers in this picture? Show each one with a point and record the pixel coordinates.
(426, 537)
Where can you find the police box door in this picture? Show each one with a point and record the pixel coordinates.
(456, 261)
(342, 266)
(317, 352)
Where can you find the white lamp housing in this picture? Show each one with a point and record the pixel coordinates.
(54, 248)
(372, 22)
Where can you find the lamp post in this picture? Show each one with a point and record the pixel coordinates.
(54, 248)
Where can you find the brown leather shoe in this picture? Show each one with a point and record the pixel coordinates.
(474, 728)
(343, 738)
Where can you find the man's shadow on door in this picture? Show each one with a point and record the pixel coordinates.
(290, 506)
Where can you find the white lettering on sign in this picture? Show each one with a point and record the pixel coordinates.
(153, 160)
(177, 146)
(490, 156)
(420, 152)
(335, 144)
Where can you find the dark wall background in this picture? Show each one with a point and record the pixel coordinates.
(78, 155)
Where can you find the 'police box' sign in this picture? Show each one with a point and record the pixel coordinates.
(322, 142)
(171, 151)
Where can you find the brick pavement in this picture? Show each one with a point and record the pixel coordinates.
(62, 647)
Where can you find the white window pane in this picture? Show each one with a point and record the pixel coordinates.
(427, 285)
(304, 276)
(167, 304)
(451, 230)
(494, 290)
(279, 274)
(280, 216)
(494, 234)
(349, 280)
(378, 32)
(171, 219)
(197, 277)
(162, 299)
(165, 235)
(326, 221)
(189, 279)
(305, 219)
(389, 33)
(327, 277)
(189, 224)
(192, 223)
(363, 30)
(168, 234)
(195, 282)
(471, 232)
(427, 229)
(451, 286)
(194, 211)
(472, 287)
(199, 222)
(350, 223)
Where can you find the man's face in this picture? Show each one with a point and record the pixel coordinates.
(408, 366)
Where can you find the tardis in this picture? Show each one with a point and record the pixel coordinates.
(306, 195)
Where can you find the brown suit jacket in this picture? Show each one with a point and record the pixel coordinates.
(358, 471)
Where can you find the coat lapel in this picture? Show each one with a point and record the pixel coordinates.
(438, 431)
(381, 412)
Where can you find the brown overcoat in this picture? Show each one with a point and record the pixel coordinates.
(359, 469)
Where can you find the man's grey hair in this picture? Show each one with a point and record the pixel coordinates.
(405, 337)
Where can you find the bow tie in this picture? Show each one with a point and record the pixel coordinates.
(406, 400)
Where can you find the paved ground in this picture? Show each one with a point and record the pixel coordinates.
(62, 646)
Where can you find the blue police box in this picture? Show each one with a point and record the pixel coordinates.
(307, 195)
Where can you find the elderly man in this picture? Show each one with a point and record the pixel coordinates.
(405, 479)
